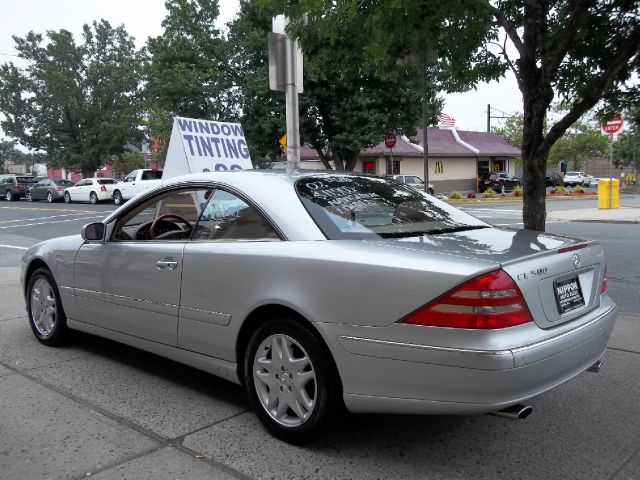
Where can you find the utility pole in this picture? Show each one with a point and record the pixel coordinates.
(489, 116)
(428, 57)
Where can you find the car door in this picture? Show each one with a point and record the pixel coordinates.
(128, 186)
(231, 239)
(131, 282)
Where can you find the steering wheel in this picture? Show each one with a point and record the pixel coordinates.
(152, 229)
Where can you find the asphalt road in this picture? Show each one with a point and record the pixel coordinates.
(96, 408)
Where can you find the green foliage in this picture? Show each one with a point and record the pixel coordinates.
(627, 147)
(583, 141)
(560, 189)
(189, 73)
(455, 195)
(489, 193)
(511, 131)
(127, 161)
(579, 189)
(79, 103)
(517, 191)
(349, 102)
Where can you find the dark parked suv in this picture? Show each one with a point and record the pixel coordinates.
(500, 182)
(552, 179)
(13, 187)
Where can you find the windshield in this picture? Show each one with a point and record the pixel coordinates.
(353, 206)
(106, 181)
(26, 180)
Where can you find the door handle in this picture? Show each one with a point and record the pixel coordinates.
(168, 263)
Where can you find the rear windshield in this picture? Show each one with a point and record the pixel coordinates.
(353, 206)
(106, 181)
(26, 180)
(63, 183)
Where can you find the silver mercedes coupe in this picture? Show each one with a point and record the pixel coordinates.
(318, 290)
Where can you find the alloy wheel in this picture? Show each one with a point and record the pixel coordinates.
(43, 306)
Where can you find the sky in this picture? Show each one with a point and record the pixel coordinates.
(143, 18)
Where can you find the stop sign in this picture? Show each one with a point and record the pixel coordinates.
(612, 126)
(390, 141)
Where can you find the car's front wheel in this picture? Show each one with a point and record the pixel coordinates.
(46, 316)
(50, 197)
(290, 381)
(28, 197)
(93, 198)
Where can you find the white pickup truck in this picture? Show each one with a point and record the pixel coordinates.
(134, 183)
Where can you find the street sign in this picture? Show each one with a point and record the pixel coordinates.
(390, 141)
(612, 126)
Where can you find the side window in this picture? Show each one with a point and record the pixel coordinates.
(167, 216)
(130, 178)
(228, 217)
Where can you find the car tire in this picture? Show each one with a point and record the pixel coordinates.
(67, 197)
(93, 198)
(50, 197)
(46, 315)
(117, 198)
(8, 196)
(294, 399)
(27, 197)
(431, 192)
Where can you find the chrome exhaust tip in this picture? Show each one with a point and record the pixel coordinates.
(515, 412)
(595, 367)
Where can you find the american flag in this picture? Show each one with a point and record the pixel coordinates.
(446, 120)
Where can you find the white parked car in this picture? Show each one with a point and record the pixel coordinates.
(413, 181)
(92, 190)
(571, 179)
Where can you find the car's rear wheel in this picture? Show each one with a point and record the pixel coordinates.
(290, 383)
(46, 316)
(50, 197)
(8, 195)
(67, 197)
(117, 198)
(93, 198)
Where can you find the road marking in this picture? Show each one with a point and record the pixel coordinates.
(49, 209)
(471, 209)
(41, 218)
(14, 246)
(49, 223)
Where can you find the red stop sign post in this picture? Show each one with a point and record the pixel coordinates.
(390, 141)
(610, 127)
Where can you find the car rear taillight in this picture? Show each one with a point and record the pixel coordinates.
(103, 188)
(18, 187)
(492, 300)
(603, 287)
(59, 189)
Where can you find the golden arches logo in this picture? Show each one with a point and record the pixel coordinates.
(439, 167)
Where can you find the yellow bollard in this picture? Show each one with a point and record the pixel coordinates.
(604, 191)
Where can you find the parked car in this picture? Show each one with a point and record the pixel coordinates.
(414, 181)
(593, 182)
(571, 179)
(319, 289)
(552, 179)
(136, 182)
(14, 187)
(500, 182)
(49, 189)
(92, 190)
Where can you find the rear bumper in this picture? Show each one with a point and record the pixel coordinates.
(385, 376)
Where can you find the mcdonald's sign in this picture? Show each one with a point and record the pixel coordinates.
(439, 167)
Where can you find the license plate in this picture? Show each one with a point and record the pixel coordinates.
(568, 295)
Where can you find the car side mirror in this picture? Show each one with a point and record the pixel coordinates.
(93, 232)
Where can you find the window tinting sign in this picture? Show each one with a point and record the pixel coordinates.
(568, 295)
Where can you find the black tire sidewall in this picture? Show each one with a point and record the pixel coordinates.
(93, 198)
(60, 330)
(67, 198)
(326, 383)
(117, 198)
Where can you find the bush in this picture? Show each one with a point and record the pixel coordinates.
(455, 195)
(489, 193)
(471, 195)
(579, 189)
(517, 192)
(559, 189)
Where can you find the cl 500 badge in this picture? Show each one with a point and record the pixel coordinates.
(532, 273)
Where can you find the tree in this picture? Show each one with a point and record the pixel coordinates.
(189, 73)
(127, 161)
(627, 147)
(7, 153)
(583, 51)
(511, 131)
(79, 103)
(349, 102)
(583, 141)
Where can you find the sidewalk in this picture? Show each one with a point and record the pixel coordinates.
(629, 214)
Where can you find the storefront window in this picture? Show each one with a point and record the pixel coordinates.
(393, 167)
